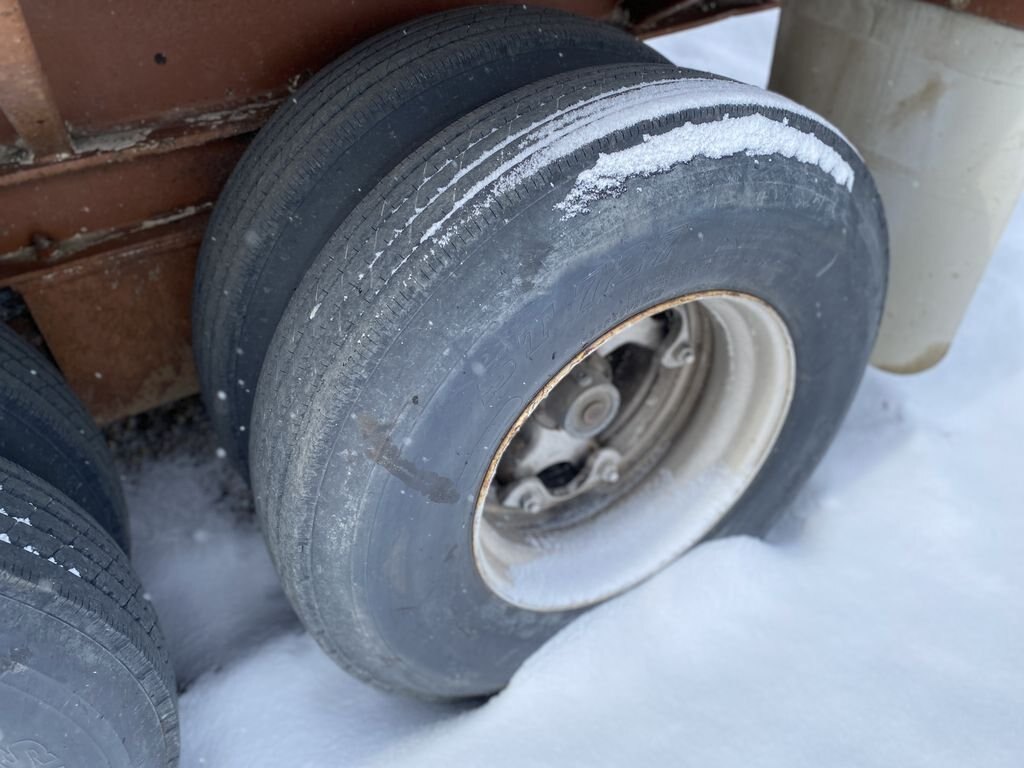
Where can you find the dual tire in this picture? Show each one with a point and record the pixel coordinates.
(422, 319)
(85, 678)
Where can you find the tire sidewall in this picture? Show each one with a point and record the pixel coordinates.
(391, 532)
(70, 698)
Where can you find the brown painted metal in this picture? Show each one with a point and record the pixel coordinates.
(1010, 12)
(161, 99)
(120, 62)
(118, 321)
(7, 133)
(25, 95)
(174, 168)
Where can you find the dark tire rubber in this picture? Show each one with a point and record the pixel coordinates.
(331, 143)
(84, 677)
(458, 287)
(46, 430)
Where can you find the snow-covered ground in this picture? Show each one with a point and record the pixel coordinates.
(882, 626)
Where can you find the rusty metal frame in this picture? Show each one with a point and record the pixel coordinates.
(117, 321)
(118, 152)
(25, 95)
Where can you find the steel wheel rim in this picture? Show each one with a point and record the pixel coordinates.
(711, 454)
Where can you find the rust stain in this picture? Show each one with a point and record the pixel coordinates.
(118, 322)
(114, 196)
(25, 94)
(384, 453)
(160, 112)
(120, 62)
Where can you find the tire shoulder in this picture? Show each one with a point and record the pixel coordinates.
(57, 560)
(33, 392)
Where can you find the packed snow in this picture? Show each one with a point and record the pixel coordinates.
(883, 624)
(566, 131)
(753, 135)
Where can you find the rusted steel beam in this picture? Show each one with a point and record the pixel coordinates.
(113, 63)
(117, 182)
(118, 322)
(59, 217)
(25, 94)
(134, 144)
(101, 244)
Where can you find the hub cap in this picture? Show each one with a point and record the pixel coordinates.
(633, 451)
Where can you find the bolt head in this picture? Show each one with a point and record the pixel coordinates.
(594, 413)
(684, 355)
(609, 473)
(530, 503)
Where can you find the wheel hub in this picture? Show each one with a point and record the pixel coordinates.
(633, 451)
(594, 434)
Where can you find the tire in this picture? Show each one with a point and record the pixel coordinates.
(46, 430)
(420, 333)
(84, 676)
(331, 144)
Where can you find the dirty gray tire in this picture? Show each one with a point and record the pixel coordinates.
(44, 428)
(331, 143)
(478, 269)
(84, 676)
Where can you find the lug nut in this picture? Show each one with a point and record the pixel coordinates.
(609, 473)
(583, 377)
(684, 355)
(594, 413)
(530, 503)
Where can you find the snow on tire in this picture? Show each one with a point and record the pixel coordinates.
(528, 271)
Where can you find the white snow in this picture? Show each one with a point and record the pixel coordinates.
(882, 626)
(5, 538)
(217, 594)
(572, 128)
(738, 47)
(753, 135)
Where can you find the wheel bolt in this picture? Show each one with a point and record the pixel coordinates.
(609, 473)
(530, 503)
(684, 355)
(594, 413)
